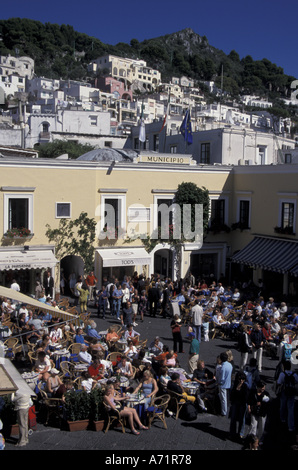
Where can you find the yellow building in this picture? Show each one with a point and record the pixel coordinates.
(248, 204)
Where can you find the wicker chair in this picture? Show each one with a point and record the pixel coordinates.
(176, 401)
(67, 369)
(11, 342)
(113, 357)
(74, 350)
(113, 416)
(157, 410)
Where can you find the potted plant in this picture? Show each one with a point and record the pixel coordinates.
(21, 232)
(97, 410)
(77, 409)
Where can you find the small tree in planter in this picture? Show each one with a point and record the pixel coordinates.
(77, 409)
(97, 410)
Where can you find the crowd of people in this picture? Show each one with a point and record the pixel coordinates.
(207, 309)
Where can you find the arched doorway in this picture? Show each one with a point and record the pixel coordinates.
(71, 266)
(163, 262)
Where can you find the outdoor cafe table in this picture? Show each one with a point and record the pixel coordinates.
(60, 355)
(122, 343)
(136, 401)
(191, 387)
(182, 373)
(31, 378)
(80, 367)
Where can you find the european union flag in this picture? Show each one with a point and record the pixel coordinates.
(185, 128)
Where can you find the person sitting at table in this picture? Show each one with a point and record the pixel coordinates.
(62, 390)
(53, 383)
(88, 383)
(171, 359)
(113, 399)
(84, 355)
(56, 335)
(96, 369)
(33, 336)
(112, 336)
(156, 347)
(42, 366)
(124, 367)
(148, 386)
(96, 346)
(79, 336)
(92, 331)
(44, 345)
(130, 333)
(131, 350)
(201, 374)
(175, 385)
(164, 377)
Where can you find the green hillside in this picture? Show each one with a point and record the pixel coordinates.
(62, 52)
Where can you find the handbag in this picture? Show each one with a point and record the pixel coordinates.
(176, 329)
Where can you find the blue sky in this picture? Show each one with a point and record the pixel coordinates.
(262, 29)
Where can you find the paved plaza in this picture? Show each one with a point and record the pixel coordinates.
(207, 432)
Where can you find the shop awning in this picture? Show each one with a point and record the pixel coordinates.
(11, 380)
(270, 254)
(27, 259)
(124, 257)
(27, 300)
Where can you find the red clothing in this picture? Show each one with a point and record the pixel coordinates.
(91, 280)
(96, 372)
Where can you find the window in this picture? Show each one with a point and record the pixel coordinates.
(18, 211)
(156, 142)
(136, 143)
(244, 213)
(205, 153)
(93, 120)
(160, 212)
(288, 158)
(173, 148)
(217, 212)
(113, 211)
(63, 210)
(262, 155)
(287, 215)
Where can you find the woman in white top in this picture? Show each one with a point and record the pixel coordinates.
(131, 350)
(124, 367)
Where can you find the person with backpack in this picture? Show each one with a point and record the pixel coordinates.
(287, 381)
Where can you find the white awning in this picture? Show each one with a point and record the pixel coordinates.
(27, 259)
(124, 257)
(33, 303)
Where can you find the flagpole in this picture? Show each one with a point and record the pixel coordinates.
(166, 126)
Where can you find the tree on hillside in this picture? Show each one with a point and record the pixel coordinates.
(61, 147)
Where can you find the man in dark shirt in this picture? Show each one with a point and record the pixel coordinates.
(127, 314)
